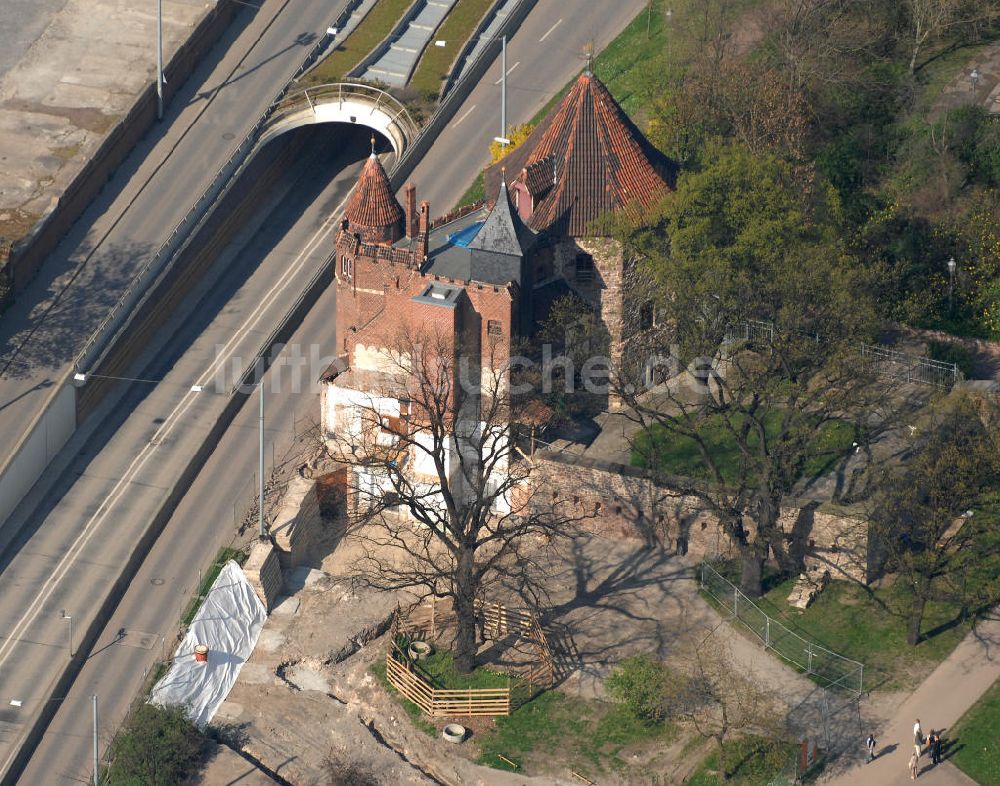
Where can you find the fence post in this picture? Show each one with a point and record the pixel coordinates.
(826, 720)
(809, 660)
(703, 575)
(767, 631)
(736, 600)
(861, 678)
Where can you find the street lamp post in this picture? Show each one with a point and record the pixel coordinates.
(951, 282)
(159, 59)
(97, 763)
(68, 619)
(503, 88)
(260, 489)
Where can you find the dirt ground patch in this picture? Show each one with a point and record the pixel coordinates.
(309, 690)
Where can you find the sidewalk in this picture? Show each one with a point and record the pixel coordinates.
(939, 702)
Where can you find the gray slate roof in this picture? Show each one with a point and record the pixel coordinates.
(503, 231)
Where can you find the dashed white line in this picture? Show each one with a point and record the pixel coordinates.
(467, 113)
(508, 72)
(549, 31)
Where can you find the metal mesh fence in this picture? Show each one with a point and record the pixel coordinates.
(882, 361)
(908, 368)
(828, 668)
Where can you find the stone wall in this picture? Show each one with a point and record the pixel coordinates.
(297, 526)
(615, 500)
(263, 571)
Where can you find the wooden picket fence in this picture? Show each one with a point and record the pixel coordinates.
(426, 620)
(439, 703)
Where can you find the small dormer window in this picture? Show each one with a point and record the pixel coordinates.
(346, 266)
(494, 327)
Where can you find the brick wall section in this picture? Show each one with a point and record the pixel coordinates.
(620, 501)
(378, 286)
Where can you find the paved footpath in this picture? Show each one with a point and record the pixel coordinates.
(939, 702)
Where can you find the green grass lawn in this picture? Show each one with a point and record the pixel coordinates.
(440, 667)
(436, 61)
(679, 455)
(209, 577)
(977, 739)
(848, 620)
(588, 736)
(751, 761)
(366, 36)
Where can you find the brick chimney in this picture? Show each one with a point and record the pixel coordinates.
(410, 205)
(425, 229)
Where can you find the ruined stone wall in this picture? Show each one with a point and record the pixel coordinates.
(297, 525)
(263, 571)
(603, 290)
(615, 500)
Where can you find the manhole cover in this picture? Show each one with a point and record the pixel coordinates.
(227, 136)
(156, 582)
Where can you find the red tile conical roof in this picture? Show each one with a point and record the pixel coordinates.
(585, 159)
(373, 211)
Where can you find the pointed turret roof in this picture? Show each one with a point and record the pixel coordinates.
(373, 211)
(503, 232)
(586, 158)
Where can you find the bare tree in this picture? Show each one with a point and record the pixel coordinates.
(716, 697)
(441, 499)
(932, 19)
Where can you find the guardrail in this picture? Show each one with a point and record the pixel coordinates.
(881, 360)
(294, 102)
(832, 670)
(910, 368)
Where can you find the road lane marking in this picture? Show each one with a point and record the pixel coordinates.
(137, 464)
(508, 72)
(549, 32)
(469, 112)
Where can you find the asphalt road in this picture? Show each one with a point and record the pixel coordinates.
(107, 496)
(545, 53)
(149, 194)
(117, 475)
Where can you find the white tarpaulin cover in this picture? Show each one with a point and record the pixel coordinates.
(228, 623)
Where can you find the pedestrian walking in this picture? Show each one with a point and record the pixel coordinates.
(936, 748)
(913, 766)
(918, 738)
(870, 743)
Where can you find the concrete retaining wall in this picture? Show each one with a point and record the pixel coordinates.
(54, 425)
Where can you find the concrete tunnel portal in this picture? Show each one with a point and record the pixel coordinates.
(347, 103)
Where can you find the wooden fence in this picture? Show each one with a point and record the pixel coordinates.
(438, 703)
(426, 619)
